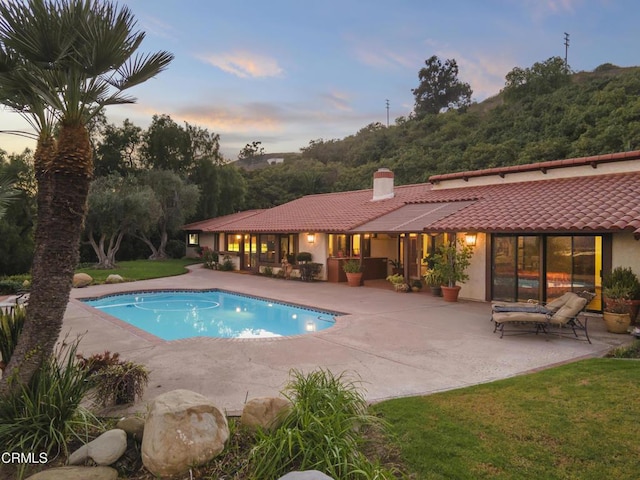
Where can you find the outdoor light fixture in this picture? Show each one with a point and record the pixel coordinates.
(310, 326)
(470, 239)
(311, 237)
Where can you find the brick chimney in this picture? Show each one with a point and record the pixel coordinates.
(382, 184)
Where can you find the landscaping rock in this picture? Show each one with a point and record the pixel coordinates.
(76, 473)
(306, 475)
(114, 278)
(264, 412)
(134, 426)
(104, 450)
(183, 429)
(81, 280)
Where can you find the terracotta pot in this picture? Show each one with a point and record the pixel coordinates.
(616, 322)
(634, 307)
(354, 279)
(450, 294)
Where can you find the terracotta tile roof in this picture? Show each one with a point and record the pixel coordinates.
(218, 223)
(594, 161)
(598, 203)
(594, 203)
(330, 212)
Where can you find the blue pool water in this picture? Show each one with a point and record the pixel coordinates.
(177, 315)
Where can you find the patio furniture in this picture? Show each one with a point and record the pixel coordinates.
(532, 306)
(552, 322)
(20, 299)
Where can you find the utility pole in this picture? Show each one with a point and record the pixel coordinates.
(387, 101)
(566, 52)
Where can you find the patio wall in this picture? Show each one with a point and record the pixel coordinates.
(475, 288)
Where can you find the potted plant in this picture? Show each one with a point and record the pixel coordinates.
(416, 285)
(353, 271)
(397, 280)
(616, 313)
(396, 267)
(433, 278)
(452, 261)
(623, 277)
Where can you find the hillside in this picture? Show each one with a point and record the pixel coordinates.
(548, 117)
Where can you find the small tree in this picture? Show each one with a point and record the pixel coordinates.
(117, 206)
(177, 201)
(452, 261)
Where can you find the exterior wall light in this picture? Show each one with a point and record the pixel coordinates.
(311, 237)
(470, 239)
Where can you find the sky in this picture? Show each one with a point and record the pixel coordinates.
(285, 72)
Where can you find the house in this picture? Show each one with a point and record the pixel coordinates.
(537, 229)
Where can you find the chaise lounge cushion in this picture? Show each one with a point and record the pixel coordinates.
(568, 311)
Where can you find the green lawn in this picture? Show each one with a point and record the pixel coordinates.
(142, 269)
(577, 421)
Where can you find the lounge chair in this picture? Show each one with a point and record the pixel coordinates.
(532, 306)
(566, 316)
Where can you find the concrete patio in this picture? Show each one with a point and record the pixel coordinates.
(398, 344)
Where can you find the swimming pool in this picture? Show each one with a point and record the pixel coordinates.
(177, 315)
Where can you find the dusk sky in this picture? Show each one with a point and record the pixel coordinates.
(286, 72)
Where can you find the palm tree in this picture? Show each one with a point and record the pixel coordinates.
(61, 63)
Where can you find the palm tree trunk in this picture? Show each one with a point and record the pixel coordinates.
(57, 242)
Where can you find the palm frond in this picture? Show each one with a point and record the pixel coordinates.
(141, 68)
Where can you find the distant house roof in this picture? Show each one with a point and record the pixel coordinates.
(592, 203)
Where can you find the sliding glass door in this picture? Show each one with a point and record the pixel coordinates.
(543, 267)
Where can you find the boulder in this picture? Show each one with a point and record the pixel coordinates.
(306, 475)
(76, 473)
(81, 280)
(104, 450)
(114, 278)
(183, 429)
(264, 412)
(134, 426)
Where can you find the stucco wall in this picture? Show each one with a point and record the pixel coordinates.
(475, 287)
(626, 252)
(319, 250)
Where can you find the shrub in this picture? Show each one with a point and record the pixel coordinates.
(267, 271)
(45, 415)
(627, 351)
(321, 431)
(227, 264)
(304, 257)
(116, 381)
(120, 383)
(176, 248)
(10, 327)
(98, 361)
(210, 258)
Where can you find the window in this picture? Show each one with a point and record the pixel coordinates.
(289, 247)
(342, 245)
(268, 248)
(233, 242)
(193, 240)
